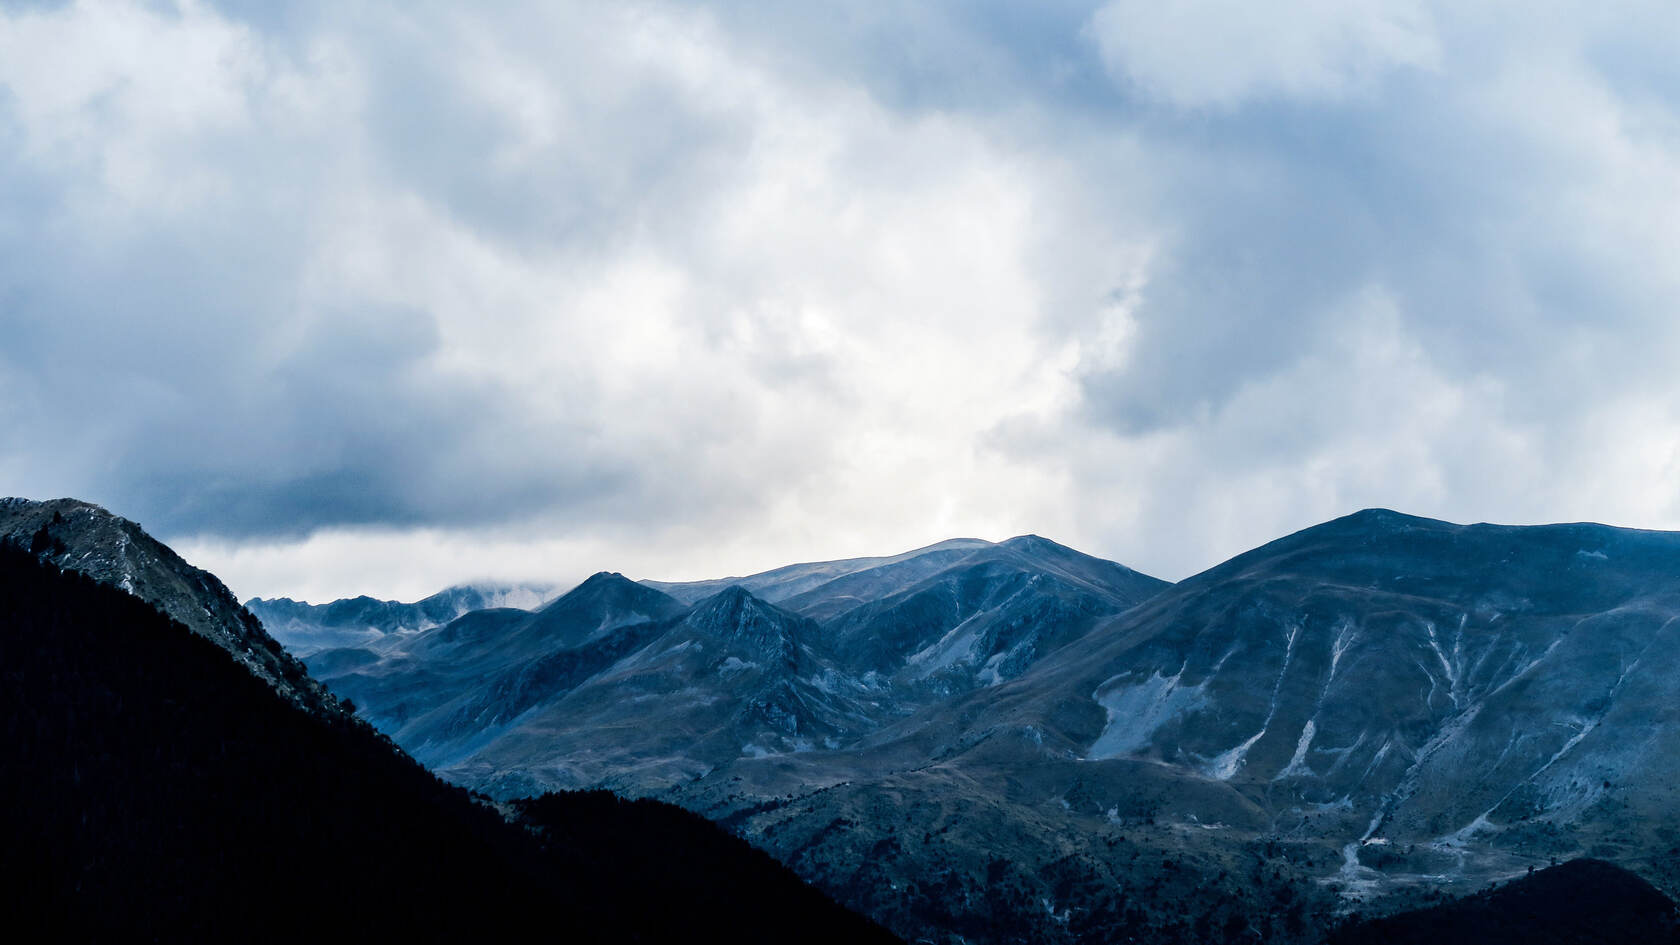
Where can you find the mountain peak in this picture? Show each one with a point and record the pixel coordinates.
(731, 603)
(601, 582)
(737, 617)
(784, 583)
(605, 601)
(79, 536)
(1377, 518)
(734, 593)
(605, 585)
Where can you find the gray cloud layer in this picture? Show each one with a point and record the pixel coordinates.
(697, 288)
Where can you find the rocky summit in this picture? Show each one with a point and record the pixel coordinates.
(84, 538)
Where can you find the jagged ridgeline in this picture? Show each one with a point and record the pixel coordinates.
(156, 788)
(85, 538)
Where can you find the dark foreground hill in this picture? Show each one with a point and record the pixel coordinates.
(1582, 902)
(154, 789)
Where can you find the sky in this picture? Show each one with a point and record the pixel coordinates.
(363, 297)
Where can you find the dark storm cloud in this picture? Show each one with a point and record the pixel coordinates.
(171, 360)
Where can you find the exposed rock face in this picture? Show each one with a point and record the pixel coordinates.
(82, 537)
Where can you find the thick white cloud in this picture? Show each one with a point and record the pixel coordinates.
(371, 298)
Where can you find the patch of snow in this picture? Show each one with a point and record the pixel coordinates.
(1592, 555)
(956, 646)
(988, 674)
(1458, 838)
(1344, 639)
(1226, 764)
(1297, 761)
(826, 681)
(1137, 711)
(1377, 759)
(121, 558)
(1356, 880)
(1448, 667)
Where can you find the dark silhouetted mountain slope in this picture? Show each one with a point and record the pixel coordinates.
(155, 789)
(82, 537)
(1582, 902)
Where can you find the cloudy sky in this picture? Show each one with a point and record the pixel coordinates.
(375, 297)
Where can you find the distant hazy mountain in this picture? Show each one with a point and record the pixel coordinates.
(156, 790)
(305, 628)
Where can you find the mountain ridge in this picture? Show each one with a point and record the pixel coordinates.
(505, 692)
(88, 539)
(259, 819)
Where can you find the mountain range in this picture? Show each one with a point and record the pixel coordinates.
(1354, 716)
(643, 686)
(969, 742)
(358, 621)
